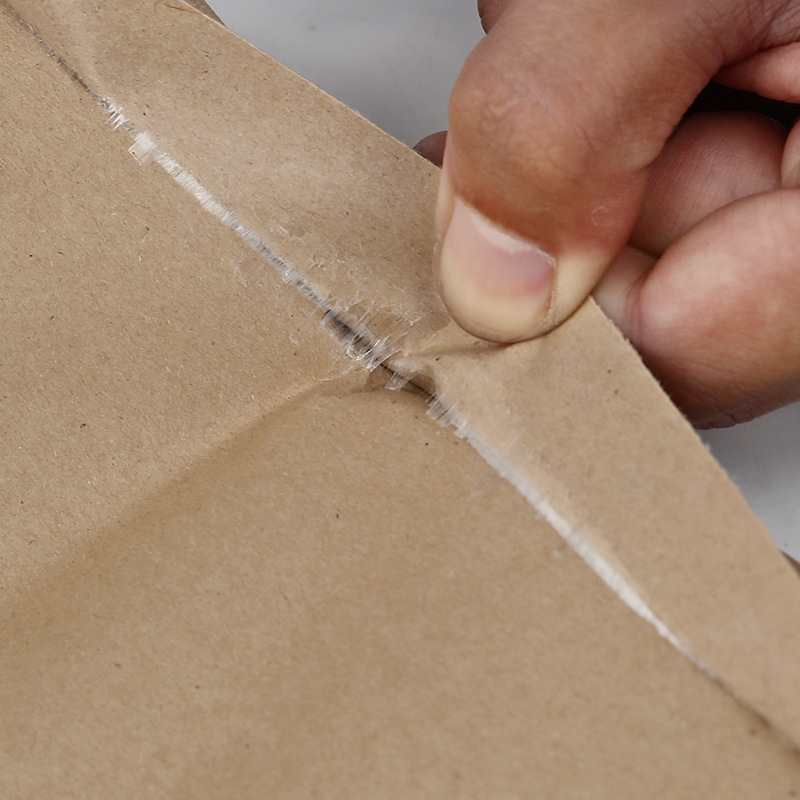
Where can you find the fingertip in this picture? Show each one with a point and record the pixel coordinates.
(790, 164)
(494, 284)
(616, 291)
(432, 147)
(498, 285)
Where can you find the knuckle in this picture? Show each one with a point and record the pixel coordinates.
(504, 114)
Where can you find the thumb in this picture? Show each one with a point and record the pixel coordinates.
(554, 122)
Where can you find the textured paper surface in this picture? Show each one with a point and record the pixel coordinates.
(234, 563)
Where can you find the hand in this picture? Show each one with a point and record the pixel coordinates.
(570, 167)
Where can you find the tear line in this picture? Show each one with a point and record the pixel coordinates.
(599, 565)
(374, 353)
(596, 562)
(361, 345)
(145, 149)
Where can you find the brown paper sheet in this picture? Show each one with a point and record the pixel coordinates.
(234, 563)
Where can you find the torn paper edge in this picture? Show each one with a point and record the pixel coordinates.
(360, 345)
(372, 353)
(593, 559)
(601, 567)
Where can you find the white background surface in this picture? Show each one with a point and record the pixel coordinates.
(395, 61)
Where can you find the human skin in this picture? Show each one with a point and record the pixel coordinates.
(570, 167)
